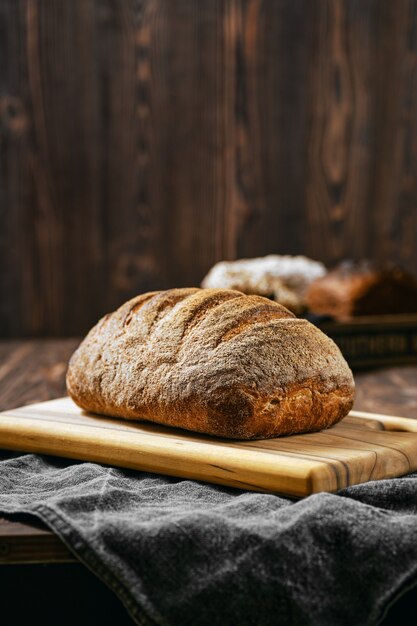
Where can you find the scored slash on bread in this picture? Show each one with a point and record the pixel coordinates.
(214, 361)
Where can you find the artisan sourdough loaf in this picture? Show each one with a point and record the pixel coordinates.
(214, 361)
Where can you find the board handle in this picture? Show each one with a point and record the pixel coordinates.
(390, 422)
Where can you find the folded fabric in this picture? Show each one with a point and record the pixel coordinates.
(180, 552)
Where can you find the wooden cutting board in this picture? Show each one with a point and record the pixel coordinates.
(364, 446)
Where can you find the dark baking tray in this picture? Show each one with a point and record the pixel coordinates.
(375, 340)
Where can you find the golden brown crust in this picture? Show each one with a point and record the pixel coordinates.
(214, 361)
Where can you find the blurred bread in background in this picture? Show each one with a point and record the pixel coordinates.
(362, 288)
(285, 279)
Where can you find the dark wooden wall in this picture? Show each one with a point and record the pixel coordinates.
(143, 140)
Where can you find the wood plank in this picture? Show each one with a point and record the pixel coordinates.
(393, 216)
(390, 391)
(16, 192)
(340, 154)
(266, 126)
(33, 370)
(23, 543)
(132, 146)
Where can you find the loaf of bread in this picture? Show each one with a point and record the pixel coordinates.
(363, 288)
(214, 361)
(282, 278)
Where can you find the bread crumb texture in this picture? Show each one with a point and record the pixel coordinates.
(214, 361)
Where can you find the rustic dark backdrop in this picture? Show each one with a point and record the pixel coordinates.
(143, 140)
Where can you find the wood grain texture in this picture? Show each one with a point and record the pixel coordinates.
(341, 133)
(142, 141)
(22, 542)
(394, 223)
(34, 370)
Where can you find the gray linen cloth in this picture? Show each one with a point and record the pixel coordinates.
(184, 553)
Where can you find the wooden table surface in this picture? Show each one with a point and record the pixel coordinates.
(32, 371)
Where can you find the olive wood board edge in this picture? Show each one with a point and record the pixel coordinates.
(364, 446)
